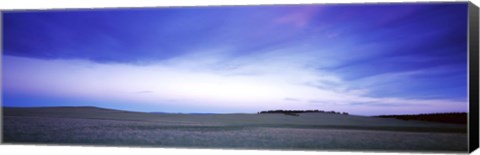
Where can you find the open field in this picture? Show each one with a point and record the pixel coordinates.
(308, 131)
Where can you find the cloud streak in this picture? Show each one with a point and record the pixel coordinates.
(181, 82)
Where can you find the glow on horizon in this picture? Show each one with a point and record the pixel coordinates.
(271, 85)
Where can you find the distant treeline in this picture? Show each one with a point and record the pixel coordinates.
(296, 112)
(457, 118)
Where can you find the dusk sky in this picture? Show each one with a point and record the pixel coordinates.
(367, 59)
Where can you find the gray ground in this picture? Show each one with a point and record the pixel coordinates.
(309, 131)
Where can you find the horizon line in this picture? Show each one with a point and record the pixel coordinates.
(160, 112)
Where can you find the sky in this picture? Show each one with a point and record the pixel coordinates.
(364, 59)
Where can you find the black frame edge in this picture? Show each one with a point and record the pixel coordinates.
(473, 30)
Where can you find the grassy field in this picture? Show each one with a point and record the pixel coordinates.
(308, 131)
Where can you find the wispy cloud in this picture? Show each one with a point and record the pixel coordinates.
(144, 92)
(300, 17)
(202, 83)
(291, 99)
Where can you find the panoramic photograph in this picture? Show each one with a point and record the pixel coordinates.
(379, 77)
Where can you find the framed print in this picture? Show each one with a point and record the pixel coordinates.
(357, 77)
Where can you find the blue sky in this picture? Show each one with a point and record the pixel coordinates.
(363, 59)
